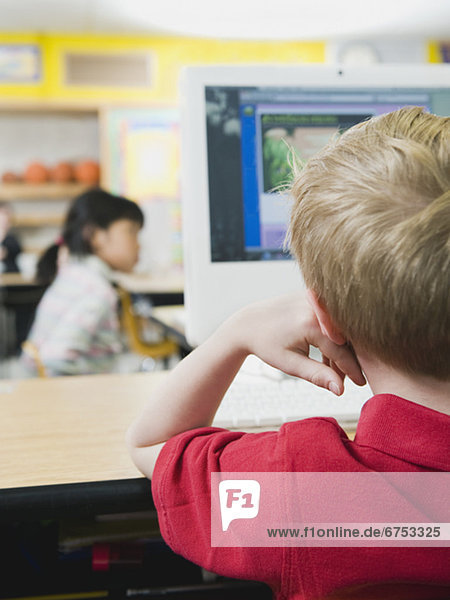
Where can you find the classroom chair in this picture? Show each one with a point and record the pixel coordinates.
(163, 349)
(31, 350)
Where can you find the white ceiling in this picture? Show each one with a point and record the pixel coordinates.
(245, 19)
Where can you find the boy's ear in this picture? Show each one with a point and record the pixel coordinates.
(327, 326)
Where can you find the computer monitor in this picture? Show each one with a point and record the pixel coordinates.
(238, 123)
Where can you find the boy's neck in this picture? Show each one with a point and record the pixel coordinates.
(421, 389)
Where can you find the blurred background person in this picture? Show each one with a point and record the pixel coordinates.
(76, 329)
(10, 247)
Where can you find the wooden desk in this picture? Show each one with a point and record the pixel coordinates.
(144, 283)
(169, 316)
(136, 283)
(69, 429)
(64, 457)
(15, 280)
(163, 289)
(63, 446)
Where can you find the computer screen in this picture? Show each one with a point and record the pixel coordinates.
(242, 128)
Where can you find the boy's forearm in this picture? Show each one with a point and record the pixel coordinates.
(190, 395)
(279, 331)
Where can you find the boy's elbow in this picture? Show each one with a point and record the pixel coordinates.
(130, 440)
(143, 457)
(133, 449)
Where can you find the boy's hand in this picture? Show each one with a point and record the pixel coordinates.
(281, 331)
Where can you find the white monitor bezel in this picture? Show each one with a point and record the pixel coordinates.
(214, 290)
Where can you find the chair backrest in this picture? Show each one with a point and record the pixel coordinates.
(130, 324)
(31, 350)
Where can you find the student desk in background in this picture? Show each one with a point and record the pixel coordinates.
(171, 282)
(15, 280)
(163, 289)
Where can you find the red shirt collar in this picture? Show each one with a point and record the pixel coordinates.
(407, 430)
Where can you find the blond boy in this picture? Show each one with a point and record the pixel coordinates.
(370, 228)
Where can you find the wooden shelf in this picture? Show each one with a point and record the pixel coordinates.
(54, 106)
(38, 220)
(44, 191)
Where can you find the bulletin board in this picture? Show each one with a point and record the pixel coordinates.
(142, 151)
(142, 145)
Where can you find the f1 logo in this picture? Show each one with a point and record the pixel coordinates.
(239, 499)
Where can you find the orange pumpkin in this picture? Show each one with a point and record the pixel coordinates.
(88, 172)
(62, 172)
(36, 172)
(10, 177)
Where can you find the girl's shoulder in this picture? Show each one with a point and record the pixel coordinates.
(89, 275)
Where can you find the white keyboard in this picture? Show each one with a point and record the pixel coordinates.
(271, 399)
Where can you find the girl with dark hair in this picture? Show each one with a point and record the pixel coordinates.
(76, 328)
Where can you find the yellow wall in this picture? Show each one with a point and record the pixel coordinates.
(435, 54)
(169, 55)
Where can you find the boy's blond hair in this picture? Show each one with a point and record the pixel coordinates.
(370, 228)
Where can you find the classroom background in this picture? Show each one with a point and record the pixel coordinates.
(89, 94)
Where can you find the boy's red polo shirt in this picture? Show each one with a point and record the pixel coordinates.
(393, 434)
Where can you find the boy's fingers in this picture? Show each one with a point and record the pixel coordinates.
(342, 359)
(313, 371)
(333, 365)
(335, 368)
